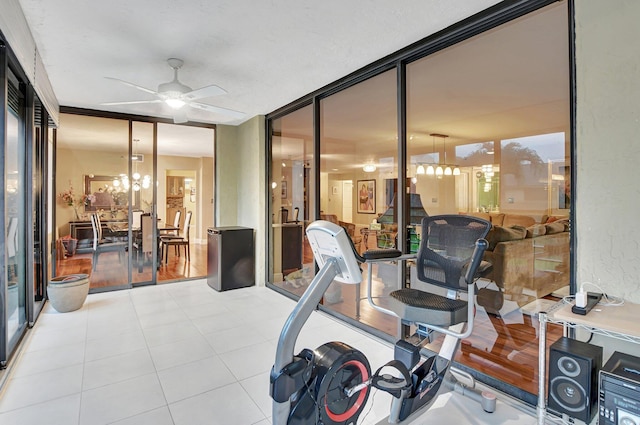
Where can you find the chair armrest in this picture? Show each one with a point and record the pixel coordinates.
(377, 255)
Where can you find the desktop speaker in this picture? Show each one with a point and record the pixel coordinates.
(573, 378)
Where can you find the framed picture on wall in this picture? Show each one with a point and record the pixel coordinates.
(283, 189)
(366, 196)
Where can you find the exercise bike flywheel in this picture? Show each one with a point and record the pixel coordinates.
(339, 367)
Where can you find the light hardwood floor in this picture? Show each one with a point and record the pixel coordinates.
(110, 272)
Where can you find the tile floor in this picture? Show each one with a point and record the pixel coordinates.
(181, 354)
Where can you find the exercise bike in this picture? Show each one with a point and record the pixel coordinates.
(331, 384)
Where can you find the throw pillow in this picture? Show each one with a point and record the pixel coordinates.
(504, 234)
(536, 230)
(497, 219)
(554, 227)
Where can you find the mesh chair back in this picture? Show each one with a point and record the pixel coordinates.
(447, 243)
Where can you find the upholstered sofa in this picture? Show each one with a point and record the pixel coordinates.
(528, 258)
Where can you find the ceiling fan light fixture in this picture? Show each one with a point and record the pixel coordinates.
(175, 103)
(369, 168)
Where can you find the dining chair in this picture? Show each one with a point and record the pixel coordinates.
(174, 233)
(143, 243)
(135, 219)
(100, 245)
(181, 241)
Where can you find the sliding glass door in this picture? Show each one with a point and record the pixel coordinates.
(92, 178)
(134, 176)
(15, 204)
(142, 223)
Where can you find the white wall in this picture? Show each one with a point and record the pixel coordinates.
(240, 182)
(607, 203)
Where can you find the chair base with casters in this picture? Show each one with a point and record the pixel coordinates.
(298, 386)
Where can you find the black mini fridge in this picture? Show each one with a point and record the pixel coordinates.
(230, 258)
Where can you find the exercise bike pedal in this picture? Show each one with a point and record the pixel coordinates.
(396, 386)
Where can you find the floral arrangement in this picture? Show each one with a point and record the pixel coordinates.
(87, 199)
(68, 196)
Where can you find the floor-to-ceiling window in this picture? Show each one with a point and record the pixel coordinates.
(292, 200)
(485, 130)
(40, 199)
(92, 170)
(24, 136)
(15, 204)
(488, 135)
(185, 172)
(358, 184)
(134, 176)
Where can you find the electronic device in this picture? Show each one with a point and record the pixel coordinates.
(592, 299)
(620, 391)
(573, 378)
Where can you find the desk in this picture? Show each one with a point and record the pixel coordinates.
(619, 322)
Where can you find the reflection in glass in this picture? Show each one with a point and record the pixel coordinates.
(359, 184)
(15, 213)
(292, 268)
(81, 191)
(511, 145)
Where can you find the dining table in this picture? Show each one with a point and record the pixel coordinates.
(120, 231)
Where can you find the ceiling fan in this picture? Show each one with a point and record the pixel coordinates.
(177, 96)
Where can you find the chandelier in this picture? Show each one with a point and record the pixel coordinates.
(139, 182)
(438, 169)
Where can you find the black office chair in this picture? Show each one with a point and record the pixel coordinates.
(445, 259)
(447, 242)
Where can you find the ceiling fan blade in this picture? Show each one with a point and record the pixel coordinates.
(218, 110)
(135, 86)
(180, 116)
(203, 92)
(133, 102)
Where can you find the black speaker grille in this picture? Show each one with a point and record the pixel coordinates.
(573, 378)
(568, 393)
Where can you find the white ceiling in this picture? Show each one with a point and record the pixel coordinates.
(265, 54)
